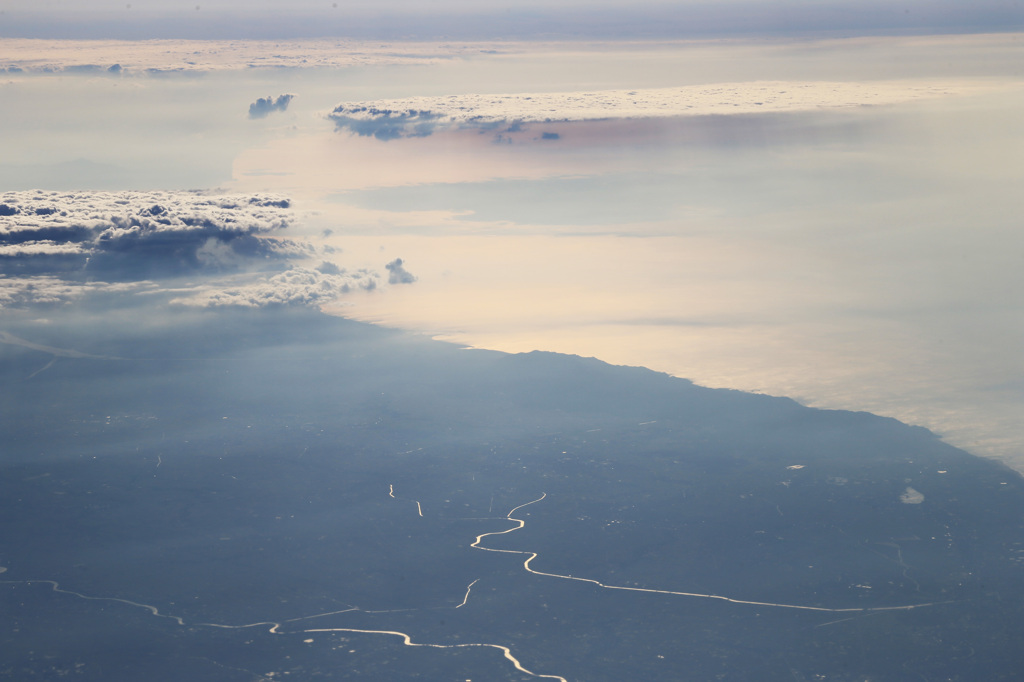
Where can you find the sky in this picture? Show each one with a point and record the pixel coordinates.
(466, 19)
(815, 200)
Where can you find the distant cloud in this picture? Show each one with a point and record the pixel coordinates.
(265, 106)
(384, 123)
(421, 116)
(295, 286)
(168, 57)
(397, 274)
(56, 247)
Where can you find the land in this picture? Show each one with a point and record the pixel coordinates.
(261, 495)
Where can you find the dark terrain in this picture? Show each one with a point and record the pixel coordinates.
(234, 469)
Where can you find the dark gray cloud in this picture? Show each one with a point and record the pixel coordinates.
(131, 236)
(397, 274)
(265, 106)
(218, 249)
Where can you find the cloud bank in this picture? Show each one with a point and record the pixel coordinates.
(157, 57)
(204, 249)
(127, 236)
(421, 116)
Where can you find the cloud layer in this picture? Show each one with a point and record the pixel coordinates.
(421, 116)
(217, 249)
(154, 57)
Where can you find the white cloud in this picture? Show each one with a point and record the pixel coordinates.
(58, 247)
(21, 292)
(41, 248)
(911, 496)
(420, 116)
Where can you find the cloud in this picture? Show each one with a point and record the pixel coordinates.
(397, 274)
(328, 268)
(384, 123)
(295, 286)
(168, 57)
(131, 236)
(265, 106)
(421, 116)
(58, 247)
(24, 292)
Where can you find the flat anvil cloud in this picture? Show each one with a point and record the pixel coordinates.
(420, 116)
(265, 106)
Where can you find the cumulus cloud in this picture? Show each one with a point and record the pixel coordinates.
(295, 286)
(265, 106)
(397, 274)
(385, 123)
(421, 116)
(124, 236)
(58, 247)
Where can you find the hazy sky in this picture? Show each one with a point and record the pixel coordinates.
(816, 200)
(464, 19)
